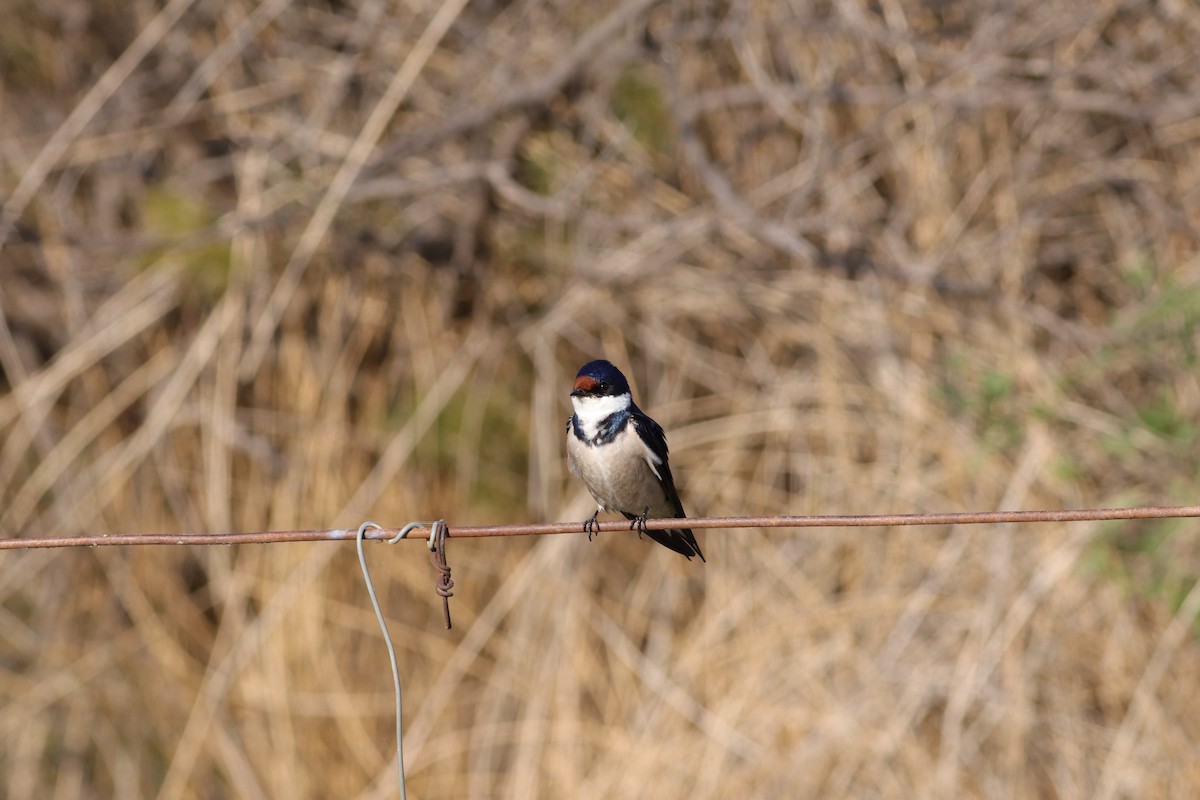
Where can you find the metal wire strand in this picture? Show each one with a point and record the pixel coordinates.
(387, 639)
(541, 529)
(437, 557)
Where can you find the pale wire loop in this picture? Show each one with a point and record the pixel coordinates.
(387, 639)
(403, 534)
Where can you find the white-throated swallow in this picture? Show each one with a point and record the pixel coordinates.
(621, 454)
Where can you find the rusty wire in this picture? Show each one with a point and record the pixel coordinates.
(437, 557)
(540, 529)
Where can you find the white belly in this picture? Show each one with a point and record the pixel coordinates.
(618, 474)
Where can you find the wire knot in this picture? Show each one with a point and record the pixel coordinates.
(437, 557)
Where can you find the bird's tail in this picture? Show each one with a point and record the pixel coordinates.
(680, 540)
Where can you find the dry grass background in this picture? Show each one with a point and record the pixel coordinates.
(298, 264)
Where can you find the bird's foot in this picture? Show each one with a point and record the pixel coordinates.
(590, 525)
(638, 523)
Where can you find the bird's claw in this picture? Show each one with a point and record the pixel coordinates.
(590, 525)
(638, 523)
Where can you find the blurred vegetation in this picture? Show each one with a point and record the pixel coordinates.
(856, 258)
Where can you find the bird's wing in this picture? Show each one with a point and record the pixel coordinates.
(680, 540)
(652, 436)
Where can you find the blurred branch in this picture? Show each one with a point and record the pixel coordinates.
(85, 110)
(331, 202)
(583, 55)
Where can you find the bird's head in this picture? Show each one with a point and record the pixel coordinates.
(597, 379)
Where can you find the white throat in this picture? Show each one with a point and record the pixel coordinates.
(591, 411)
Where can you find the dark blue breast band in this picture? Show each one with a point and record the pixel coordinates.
(612, 425)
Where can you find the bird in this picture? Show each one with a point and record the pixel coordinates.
(621, 455)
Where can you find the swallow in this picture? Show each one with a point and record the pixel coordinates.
(621, 455)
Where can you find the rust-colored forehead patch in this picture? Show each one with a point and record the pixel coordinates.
(586, 383)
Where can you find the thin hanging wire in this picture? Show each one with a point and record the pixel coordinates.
(387, 637)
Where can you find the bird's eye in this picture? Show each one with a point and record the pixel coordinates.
(602, 387)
